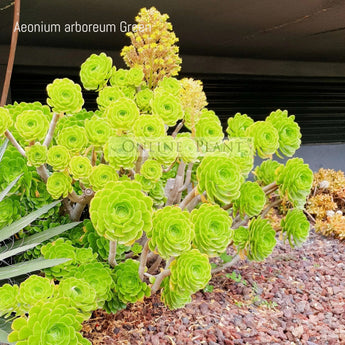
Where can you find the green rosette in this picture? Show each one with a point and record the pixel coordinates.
(157, 193)
(238, 125)
(65, 96)
(122, 114)
(143, 99)
(121, 151)
(128, 286)
(121, 212)
(98, 131)
(56, 250)
(187, 149)
(288, 130)
(261, 241)
(208, 132)
(171, 85)
(9, 210)
(33, 290)
(213, 230)
(77, 119)
(146, 184)
(251, 201)
(152, 170)
(266, 172)
(8, 299)
(241, 237)
(99, 277)
(135, 76)
(172, 232)
(80, 168)
(96, 71)
(81, 294)
(220, 177)
(58, 157)
(129, 91)
(114, 305)
(36, 154)
(119, 77)
(101, 175)
(5, 120)
(265, 136)
(190, 272)
(295, 227)
(32, 125)
(164, 150)
(148, 128)
(49, 323)
(108, 95)
(295, 180)
(171, 298)
(59, 184)
(167, 106)
(74, 138)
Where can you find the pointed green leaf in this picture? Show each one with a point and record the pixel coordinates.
(12, 252)
(9, 187)
(18, 225)
(44, 235)
(21, 268)
(3, 148)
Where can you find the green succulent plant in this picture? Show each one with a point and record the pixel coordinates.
(148, 128)
(59, 184)
(143, 99)
(238, 124)
(5, 120)
(266, 138)
(220, 177)
(173, 299)
(241, 237)
(261, 241)
(288, 130)
(251, 201)
(164, 150)
(157, 194)
(58, 157)
(187, 149)
(108, 95)
(295, 227)
(8, 299)
(119, 77)
(135, 76)
(64, 96)
(266, 172)
(128, 285)
(170, 84)
(172, 232)
(167, 106)
(80, 167)
(212, 229)
(9, 210)
(36, 154)
(295, 180)
(32, 125)
(114, 211)
(50, 323)
(96, 71)
(151, 170)
(74, 138)
(190, 272)
(208, 131)
(101, 175)
(98, 131)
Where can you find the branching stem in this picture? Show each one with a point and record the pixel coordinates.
(51, 129)
(231, 263)
(112, 253)
(143, 260)
(15, 143)
(159, 279)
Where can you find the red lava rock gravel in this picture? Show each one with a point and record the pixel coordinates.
(295, 297)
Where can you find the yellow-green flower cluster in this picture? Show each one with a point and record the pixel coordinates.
(153, 47)
(5, 120)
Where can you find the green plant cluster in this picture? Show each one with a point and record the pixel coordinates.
(140, 187)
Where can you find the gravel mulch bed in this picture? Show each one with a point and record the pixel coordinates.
(297, 296)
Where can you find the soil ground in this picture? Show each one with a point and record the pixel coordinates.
(297, 296)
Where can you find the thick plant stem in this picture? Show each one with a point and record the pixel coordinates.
(159, 279)
(143, 260)
(155, 265)
(190, 196)
(43, 172)
(81, 202)
(270, 188)
(177, 185)
(112, 253)
(271, 205)
(177, 129)
(51, 129)
(231, 263)
(15, 143)
(188, 177)
(14, 39)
